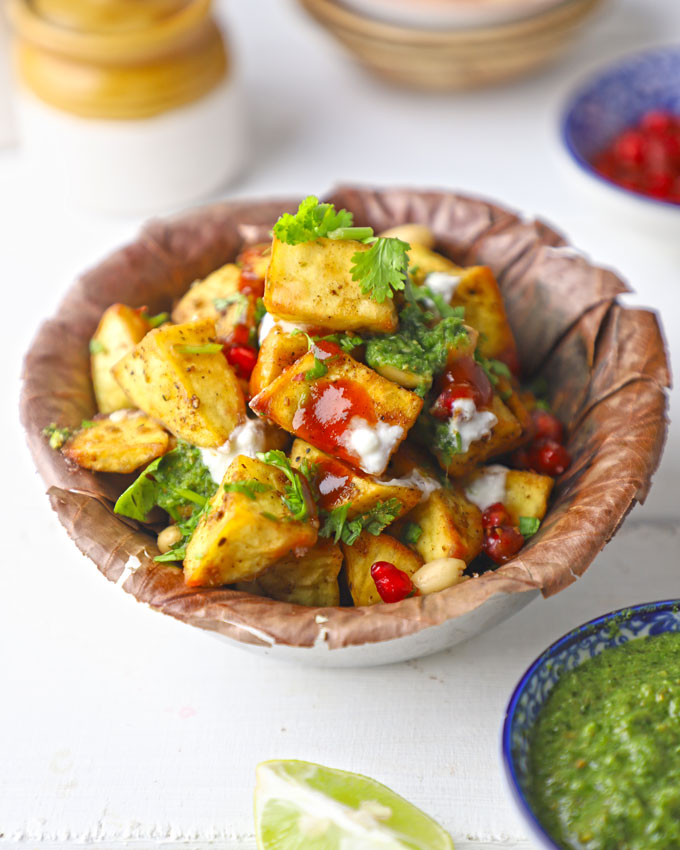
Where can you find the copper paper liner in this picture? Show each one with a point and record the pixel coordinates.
(606, 365)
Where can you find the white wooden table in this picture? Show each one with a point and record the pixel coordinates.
(125, 728)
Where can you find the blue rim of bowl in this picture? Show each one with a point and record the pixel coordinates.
(585, 86)
(571, 637)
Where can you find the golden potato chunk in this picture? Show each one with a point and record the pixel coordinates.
(175, 375)
(199, 301)
(247, 527)
(278, 351)
(349, 411)
(526, 493)
(311, 579)
(340, 484)
(505, 435)
(312, 283)
(414, 234)
(478, 292)
(120, 329)
(121, 444)
(451, 527)
(364, 552)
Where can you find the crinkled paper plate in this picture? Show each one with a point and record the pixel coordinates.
(606, 365)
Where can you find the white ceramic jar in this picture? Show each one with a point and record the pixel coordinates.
(130, 107)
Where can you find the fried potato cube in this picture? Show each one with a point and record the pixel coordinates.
(239, 537)
(199, 301)
(414, 234)
(312, 283)
(192, 390)
(340, 484)
(118, 444)
(451, 526)
(527, 494)
(311, 579)
(364, 552)
(505, 435)
(239, 314)
(120, 329)
(478, 292)
(278, 351)
(350, 412)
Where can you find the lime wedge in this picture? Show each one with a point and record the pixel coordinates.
(303, 805)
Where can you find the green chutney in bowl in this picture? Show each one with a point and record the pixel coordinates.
(592, 735)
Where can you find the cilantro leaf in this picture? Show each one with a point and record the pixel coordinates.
(180, 484)
(313, 220)
(381, 270)
(295, 499)
(87, 423)
(318, 370)
(337, 525)
(201, 348)
(157, 320)
(528, 525)
(345, 341)
(247, 488)
(411, 533)
(260, 311)
(98, 347)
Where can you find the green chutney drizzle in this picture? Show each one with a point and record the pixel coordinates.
(605, 751)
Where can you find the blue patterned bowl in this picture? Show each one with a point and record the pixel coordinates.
(617, 98)
(569, 652)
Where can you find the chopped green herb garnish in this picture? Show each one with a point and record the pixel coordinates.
(56, 436)
(247, 488)
(494, 369)
(269, 516)
(179, 483)
(239, 298)
(203, 348)
(437, 435)
(98, 347)
(310, 340)
(157, 320)
(87, 423)
(260, 311)
(313, 220)
(358, 234)
(337, 526)
(543, 404)
(346, 341)
(529, 525)
(381, 271)
(318, 370)
(295, 498)
(411, 533)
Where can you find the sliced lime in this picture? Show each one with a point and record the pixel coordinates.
(307, 806)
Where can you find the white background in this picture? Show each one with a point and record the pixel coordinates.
(118, 724)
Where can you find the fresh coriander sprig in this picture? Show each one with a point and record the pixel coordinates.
(56, 436)
(295, 499)
(318, 370)
(337, 525)
(381, 271)
(98, 347)
(247, 488)
(313, 220)
(529, 525)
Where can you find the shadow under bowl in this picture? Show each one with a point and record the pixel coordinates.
(569, 652)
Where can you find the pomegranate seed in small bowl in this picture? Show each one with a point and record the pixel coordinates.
(622, 131)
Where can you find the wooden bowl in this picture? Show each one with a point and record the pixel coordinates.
(454, 59)
(605, 364)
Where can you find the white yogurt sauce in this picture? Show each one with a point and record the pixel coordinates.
(372, 445)
(268, 322)
(125, 413)
(415, 479)
(246, 439)
(488, 487)
(442, 284)
(470, 423)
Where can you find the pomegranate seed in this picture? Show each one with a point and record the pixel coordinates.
(443, 406)
(496, 515)
(630, 147)
(239, 335)
(502, 544)
(549, 458)
(657, 121)
(547, 426)
(243, 359)
(392, 584)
